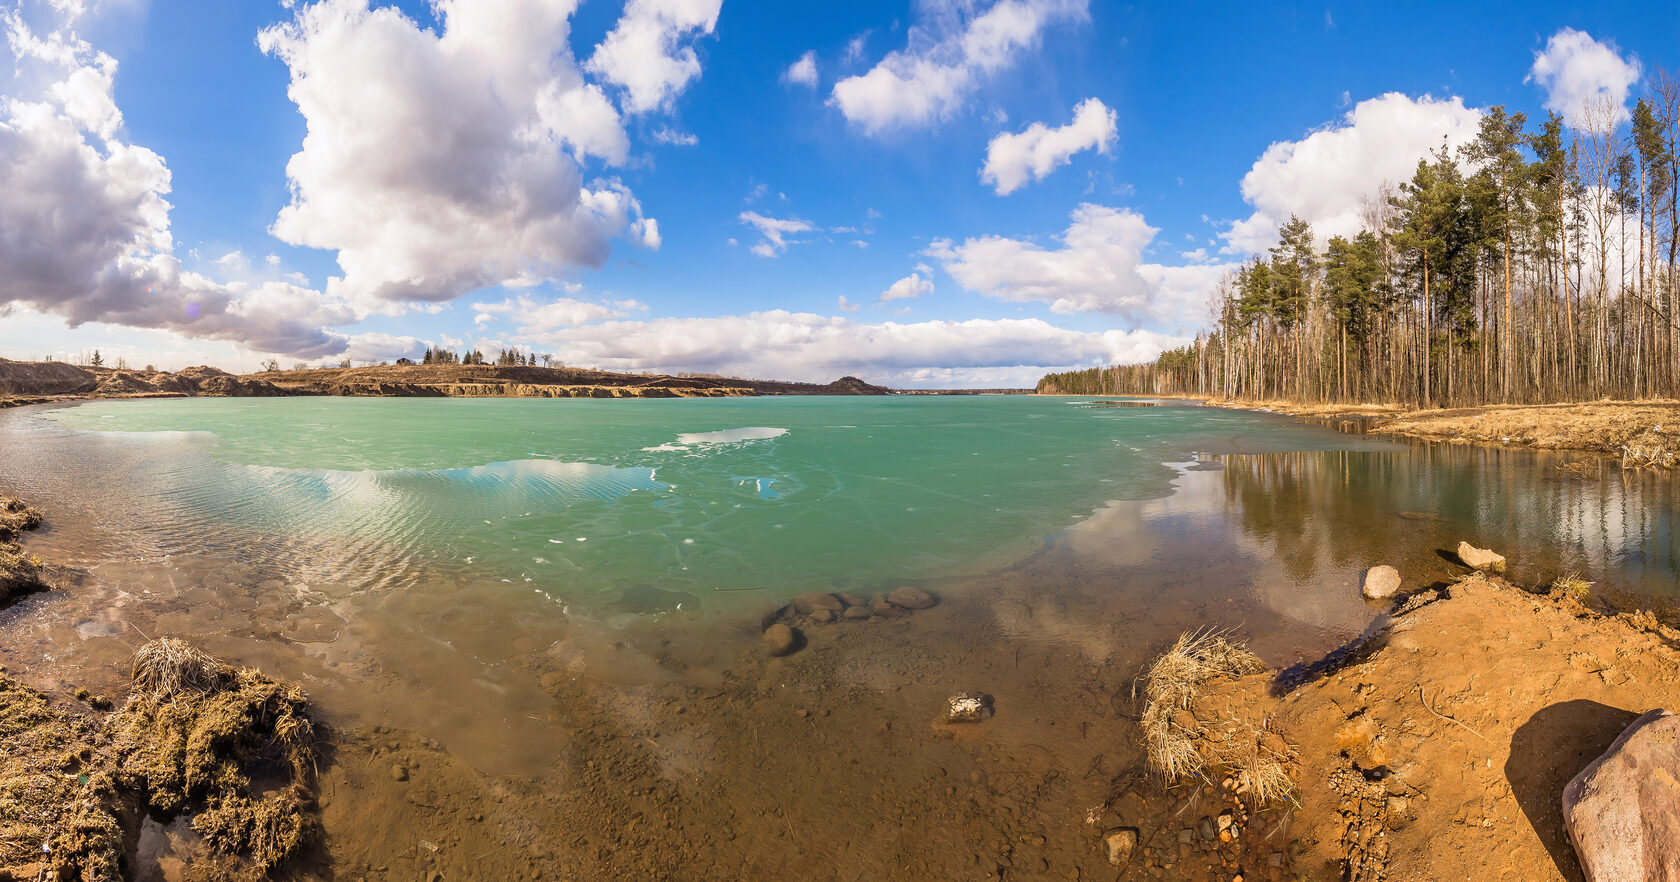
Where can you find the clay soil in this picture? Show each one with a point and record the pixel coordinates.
(1440, 748)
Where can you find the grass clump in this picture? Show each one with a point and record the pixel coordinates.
(1573, 584)
(230, 745)
(1192, 728)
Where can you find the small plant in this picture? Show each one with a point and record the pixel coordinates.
(1572, 583)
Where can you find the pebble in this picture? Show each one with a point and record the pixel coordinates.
(1120, 844)
(968, 707)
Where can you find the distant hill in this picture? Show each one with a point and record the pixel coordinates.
(21, 381)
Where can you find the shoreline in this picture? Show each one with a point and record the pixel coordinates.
(1641, 433)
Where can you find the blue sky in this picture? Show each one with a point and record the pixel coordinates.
(924, 194)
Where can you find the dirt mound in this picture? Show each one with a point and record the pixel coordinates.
(44, 378)
(227, 749)
(1443, 754)
(230, 746)
(239, 387)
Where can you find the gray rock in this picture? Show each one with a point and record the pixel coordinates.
(968, 707)
(1121, 843)
(1381, 583)
(1480, 558)
(1622, 812)
(779, 639)
(911, 598)
(812, 601)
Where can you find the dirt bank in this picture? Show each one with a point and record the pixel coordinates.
(1638, 432)
(1439, 748)
(38, 382)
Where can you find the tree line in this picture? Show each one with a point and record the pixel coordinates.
(506, 357)
(1529, 265)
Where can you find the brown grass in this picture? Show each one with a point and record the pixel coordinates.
(1190, 735)
(57, 799)
(1641, 433)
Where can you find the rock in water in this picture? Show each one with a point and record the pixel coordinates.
(779, 639)
(968, 707)
(911, 598)
(1381, 583)
(1480, 558)
(1120, 844)
(812, 601)
(1623, 811)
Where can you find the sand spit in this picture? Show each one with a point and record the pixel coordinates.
(40, 382)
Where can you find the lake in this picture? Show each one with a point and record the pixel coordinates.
(514, 590)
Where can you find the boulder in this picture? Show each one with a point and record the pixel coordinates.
(1381, 583)
(858, 613)
(1480, 558)
(1622, 812)
(812, 601)
(779, 639)
(911, 598)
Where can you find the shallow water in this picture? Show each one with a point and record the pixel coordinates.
(417, 564)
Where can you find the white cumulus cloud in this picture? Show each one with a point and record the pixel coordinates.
(774, 231)
(535, 318)
(84, 222)
(1098, 268)
(1326, 177)
(1012, 158)
(435, 162)
(803, 71)
(816, 348)
(945, 59)
(909, 287)
(1577, 71)
(642, 54)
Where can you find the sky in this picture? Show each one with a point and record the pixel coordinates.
(942, 193)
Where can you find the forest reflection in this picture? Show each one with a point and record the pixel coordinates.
(1550, 513)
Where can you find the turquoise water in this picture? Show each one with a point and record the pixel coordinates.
(650, 504)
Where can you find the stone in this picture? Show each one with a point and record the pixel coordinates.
(887, 610)
(1480, 558)
(779, 639)
(1381, 583)
(858, 613)
(968, 707)
(811, 601)
(911, 598)
(822, 616)
(398, 773)
(851, 599)
(1121, 842)
(1622, 812)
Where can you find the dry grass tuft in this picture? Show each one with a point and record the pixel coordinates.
(168, 667)
(1187, 736)
(57, 802)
